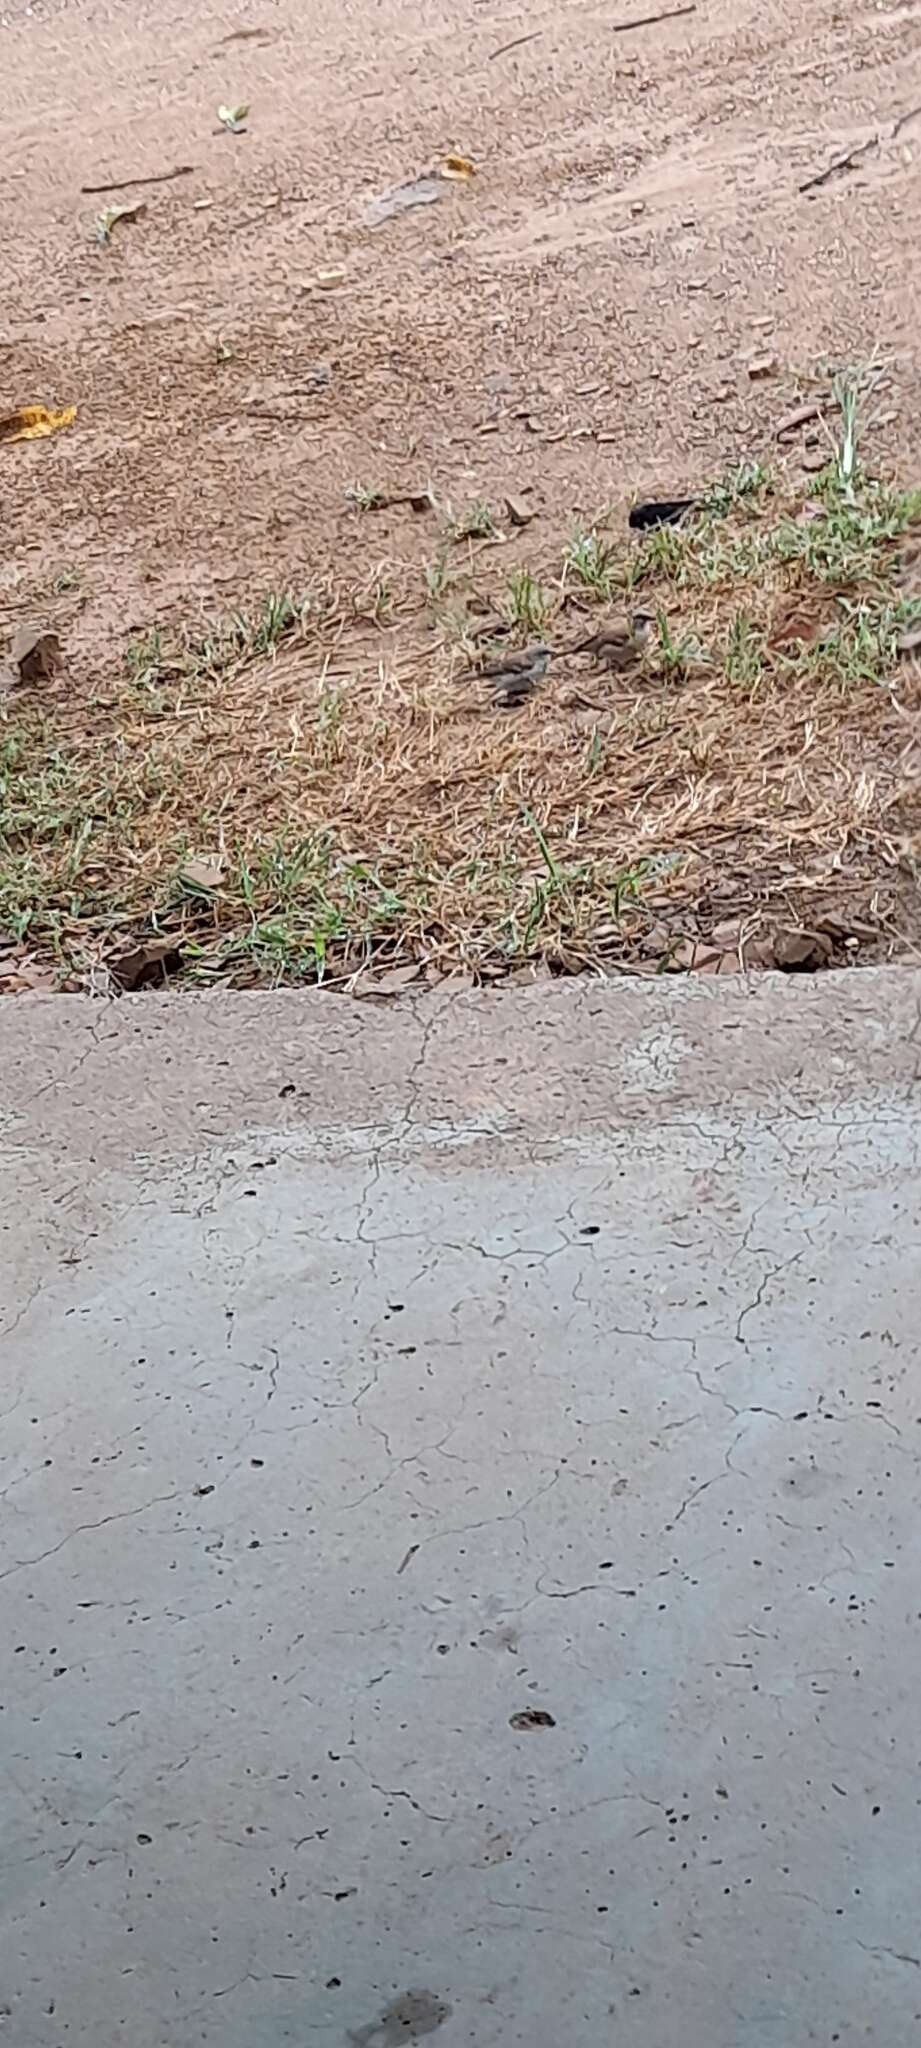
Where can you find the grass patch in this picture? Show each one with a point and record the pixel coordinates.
(593, 565)
(527, 604)
(289, 798)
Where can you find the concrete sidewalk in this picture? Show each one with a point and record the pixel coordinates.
(460, 1506)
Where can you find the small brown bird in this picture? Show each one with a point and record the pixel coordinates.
(516, 674)
(619, 643)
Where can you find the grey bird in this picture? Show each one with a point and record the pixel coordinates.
(619, 643)
(516, 674)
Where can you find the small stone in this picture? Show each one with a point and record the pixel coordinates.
(762, 366)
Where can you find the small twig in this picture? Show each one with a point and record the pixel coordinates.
(286, 419)
(802, 414)
(903, 121)
(840, 164)
(621, 28)
(158, 178)
(515, 44)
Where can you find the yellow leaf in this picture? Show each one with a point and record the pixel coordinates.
(33, 422)
(112, 214)
(456, 167)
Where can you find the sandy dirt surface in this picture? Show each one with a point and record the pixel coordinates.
(578, 321)
(635, 234)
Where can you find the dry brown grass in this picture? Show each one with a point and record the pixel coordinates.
(358, 803)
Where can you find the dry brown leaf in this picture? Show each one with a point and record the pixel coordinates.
(36, 654)
(205, 873)
(391, 983)
(801, 950)
(453, 166)
(697, 956)
(33, 422)
(802, 414)
(395, 980)
(34, 981)
(133, 967)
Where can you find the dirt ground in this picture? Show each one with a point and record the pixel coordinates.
(576, 322)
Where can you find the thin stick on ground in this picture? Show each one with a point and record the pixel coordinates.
(620, 28)
(156, 178)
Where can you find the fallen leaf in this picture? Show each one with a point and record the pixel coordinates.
(519, 513)
(802, 414)
(391, 983)
(532, 1717)
(395, 980)
(35, 654)
(111, 215)
(31, 981)
(452, 166)
(726, 934)
(693, 956)
(206, 874)
(424, 191)
(33, 422)
(233, 118)
(133, 967)
(801, 951)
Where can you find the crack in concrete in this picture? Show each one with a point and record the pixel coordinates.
(763, 1284)
(384, 1792)
(122, 1515)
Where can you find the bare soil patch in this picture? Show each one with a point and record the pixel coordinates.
(263, 759)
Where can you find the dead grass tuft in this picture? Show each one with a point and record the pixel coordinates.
(340, 798)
